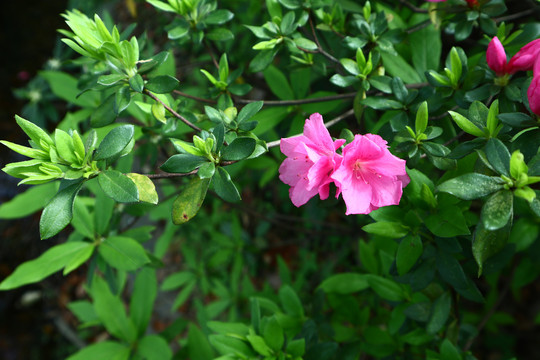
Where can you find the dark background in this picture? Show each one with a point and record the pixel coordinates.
(29, 319)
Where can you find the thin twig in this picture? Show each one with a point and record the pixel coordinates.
(211, 52)
(412, 7)
(515, 16)
(332, 122)
(418, 26)
(177, 115)
(300, 101)
(193, 97)
(319, 47)
(167, 175)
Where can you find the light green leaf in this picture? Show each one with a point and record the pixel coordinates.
(123, 253)
(190, 200)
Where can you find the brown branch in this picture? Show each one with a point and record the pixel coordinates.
(177, 115)
(300, 101)
(193, 97)
(516, 15)
(412, 7)
(319, 47)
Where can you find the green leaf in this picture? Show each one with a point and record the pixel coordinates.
(137, 83)
(104, 114)
(190, 200)
(111, 79)
(162, 84)
(59, 211)
(79, 258)
(262, 60)
(207, 170)
(103, 350)
(26, 151)
(161, 5)
(290, 301)
(304, 43)
(380, 103)
(497, 210)
(278, 83)
(218, 17)
(226, 345)
(498, 156)
(28, 202)
(425, 46)
(248, 111)
(239, 149)
(123, 253)
(386, 288)
(449, 351)
(154, 347)
(258, 343)
(421, 118)
(447, 223)
(386, 228)
(466, 125)
(64, 146)
(182, 163)
(65, 87)
(224, 186)
(409, 250)
(273, 334)
(220, 34)
(178, 32)
(397, 66)
(471, 186)
(118, 186)
(142, 299)
(145, 187)
(452, 272)
(34, 132)
(114, 142)
(110, 310)
(297, 347)
(46, 264)
(345, 283)
(439, 313)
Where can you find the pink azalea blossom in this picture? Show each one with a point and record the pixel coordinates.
(369, 175)
(311, 159)
(496, 56)
(525, 58)
(533, 94)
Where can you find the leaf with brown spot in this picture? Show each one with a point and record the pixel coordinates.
(190, 200)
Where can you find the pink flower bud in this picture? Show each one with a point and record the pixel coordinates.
(525, 58)
(496, 56)
(533, 94)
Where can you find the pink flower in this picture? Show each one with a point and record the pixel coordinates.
(369, 175)
(311, 159)
(533, 94)
(525, 58)
(496, 56)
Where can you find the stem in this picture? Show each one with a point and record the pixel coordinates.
(419, 26)
(300, 101)
(177, 115)
(193, 97)
(412, 7)
(515, 16)
(332, 122)
(319, 47)
(167, 175)
(211, 52)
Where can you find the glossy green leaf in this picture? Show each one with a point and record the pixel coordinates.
(118, 186)
(114, 142)
(182, 163)
(190, 200)
(498, 156)
(123, 253)
(162, 84)
(224, 186)
(471, 186)
(104, 114)
(386, 228)
(239, 149)
(440, 312)
(58, 212)
(497, 210)
(447, 223)
(466, 125)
